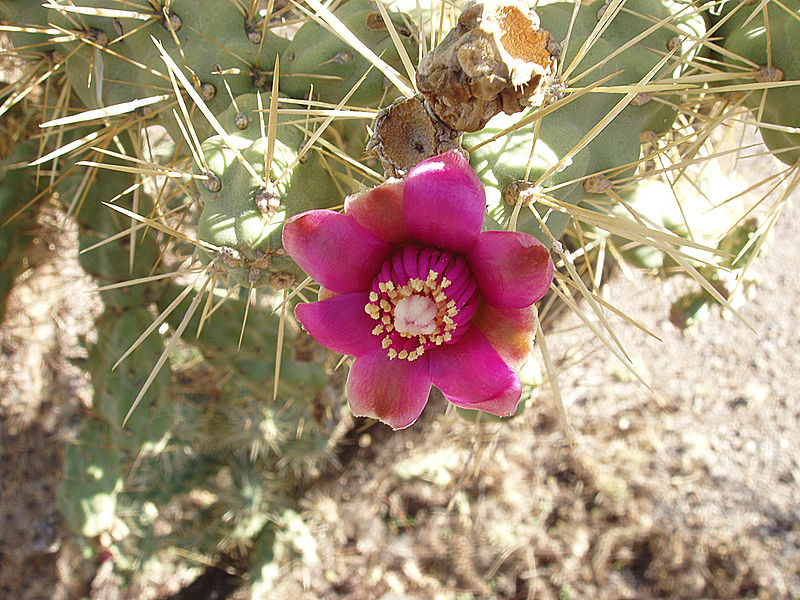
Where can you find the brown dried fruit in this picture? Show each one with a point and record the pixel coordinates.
(496, 58)
(406, 133)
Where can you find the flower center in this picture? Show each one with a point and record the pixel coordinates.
(422, 297)
(415, 314)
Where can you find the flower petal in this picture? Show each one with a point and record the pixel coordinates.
(471, 374)
(513, 269)
(334, 250)
(503, 404)
(380, 210)
(510, 331)
(444, 202)
(392, 391)
(340, 323)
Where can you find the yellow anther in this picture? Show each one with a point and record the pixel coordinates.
(373, 296)
(403, 354)
(378, 330)
(386, 319)
(392, 353)
(386, 342)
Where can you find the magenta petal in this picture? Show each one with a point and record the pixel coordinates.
(510, 331)
(444, 202)
(472, 374)
(503, 404)
(392, 391)
(340, 323)
(513, 269)
(380, 210)
(334, 250)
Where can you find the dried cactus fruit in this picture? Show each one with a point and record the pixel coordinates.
(406, 133)
(495, 59)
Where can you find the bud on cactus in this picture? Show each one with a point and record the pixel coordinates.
(408, 132)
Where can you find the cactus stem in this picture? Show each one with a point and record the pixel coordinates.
(207, 306)
(156, 224)
(411, 72)
(342, 31)
(201, 105)
(319, 131)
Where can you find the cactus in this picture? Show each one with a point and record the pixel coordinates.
(110, 58)
(215, 434)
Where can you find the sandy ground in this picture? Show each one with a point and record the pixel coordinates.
(686, 493)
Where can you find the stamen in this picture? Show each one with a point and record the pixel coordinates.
(409, 301)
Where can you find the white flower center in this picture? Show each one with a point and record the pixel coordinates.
(415, 315)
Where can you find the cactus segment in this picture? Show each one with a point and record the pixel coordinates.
(113, 60)
(315, 57)
(253, 361)
(92, 479)
(115, 390)
(777, 55)
(243, 217)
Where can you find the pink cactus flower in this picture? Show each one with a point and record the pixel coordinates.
(415, 291)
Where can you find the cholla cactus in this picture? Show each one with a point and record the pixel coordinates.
(266, 141)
